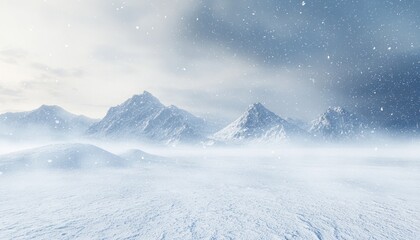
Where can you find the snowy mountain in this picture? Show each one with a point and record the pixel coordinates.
(339, 124)
(259, 124)
(60, 156)
(46, 121)
(144, 117)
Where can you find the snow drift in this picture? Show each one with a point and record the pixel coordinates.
(60, 156)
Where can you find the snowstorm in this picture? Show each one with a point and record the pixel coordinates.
(210, 119)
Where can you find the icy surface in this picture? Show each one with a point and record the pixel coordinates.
(203, 194)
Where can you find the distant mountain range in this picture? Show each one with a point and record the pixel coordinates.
(46, 121)
(143, 117)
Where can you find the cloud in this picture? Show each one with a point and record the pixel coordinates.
(389, 93)
(12, 56)
(6, 92)
(213, 58)
(58, 72)
(349, 48)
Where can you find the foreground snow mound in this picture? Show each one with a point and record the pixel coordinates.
(46, 120)
(339, 124)
(138, 156)
(259, 124)
(144, 117)
(60, 156)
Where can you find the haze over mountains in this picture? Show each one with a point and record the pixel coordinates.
(45, 120)
(143, 117)
(73, 156)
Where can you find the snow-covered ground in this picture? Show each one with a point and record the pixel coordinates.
(280, 193)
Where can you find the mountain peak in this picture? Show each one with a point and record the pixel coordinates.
(257, 106)
(144, 117)
(146, 93)
(338, 124)
(258, 123)
(49, 111)
(49, 108)
(143, 98)
(50, 120)
(336, 109)
(259, 110)
(259, 113)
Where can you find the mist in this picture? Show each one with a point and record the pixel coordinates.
(210, 119)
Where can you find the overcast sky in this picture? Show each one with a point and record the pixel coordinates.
(212, 58)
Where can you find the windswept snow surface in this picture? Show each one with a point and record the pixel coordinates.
(282, 193)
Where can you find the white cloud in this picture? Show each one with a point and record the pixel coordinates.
(89, 55)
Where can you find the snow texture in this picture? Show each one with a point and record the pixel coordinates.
(301, 194)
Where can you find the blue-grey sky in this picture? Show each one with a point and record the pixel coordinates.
(213, 57)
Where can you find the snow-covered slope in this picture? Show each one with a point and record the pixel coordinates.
(60, 156)
(45, 120)
(259, 124)
(339, 124)
(288, 194)
(138, 156)
(144, 117)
